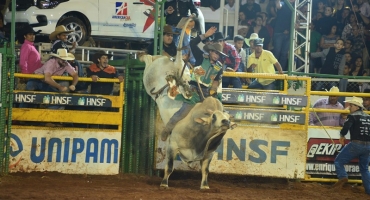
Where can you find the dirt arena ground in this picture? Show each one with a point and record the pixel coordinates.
(182, 186)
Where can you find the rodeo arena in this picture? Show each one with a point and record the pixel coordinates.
(185, 99)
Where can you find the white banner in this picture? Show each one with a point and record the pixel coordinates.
(259, 151)
(65, 151)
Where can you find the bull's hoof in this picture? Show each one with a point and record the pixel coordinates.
(208, 190)
(163, 187)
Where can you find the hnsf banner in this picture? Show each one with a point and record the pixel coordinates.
(321, 153)
(71, 152)
(261, 151)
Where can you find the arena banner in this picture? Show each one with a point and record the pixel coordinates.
(65, 151)
(247, 150)
(267, 116)
(321, 152)
(230, 96)
(63, 99)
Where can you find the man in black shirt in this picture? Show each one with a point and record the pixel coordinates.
(169, 47)
(358, 124)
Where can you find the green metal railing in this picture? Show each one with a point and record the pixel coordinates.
(7, 87)
(138, 136)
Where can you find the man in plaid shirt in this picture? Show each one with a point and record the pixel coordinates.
(231, 63)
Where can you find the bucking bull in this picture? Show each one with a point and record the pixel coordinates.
(196, 137)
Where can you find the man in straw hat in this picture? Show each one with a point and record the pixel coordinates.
(59, 36)
(101, 69)
(169, 46)
(327, 118)
(262, 61)
(358, 124)
(55, 66)
(29, 58)
(205, 81)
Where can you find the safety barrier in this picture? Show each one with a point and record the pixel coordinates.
(271, 137)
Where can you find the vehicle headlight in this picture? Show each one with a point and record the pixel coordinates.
(49, 4)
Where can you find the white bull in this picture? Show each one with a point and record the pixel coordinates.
(195, 137)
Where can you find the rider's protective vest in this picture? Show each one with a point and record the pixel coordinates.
(211, 71)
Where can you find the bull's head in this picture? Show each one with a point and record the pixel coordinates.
(218, 119)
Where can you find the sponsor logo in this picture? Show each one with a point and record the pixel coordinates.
(121, 11)
(129, 25)
(121, 8)
(320, 149)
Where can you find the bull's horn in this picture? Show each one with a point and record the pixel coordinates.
(233, 125)
(209, 111)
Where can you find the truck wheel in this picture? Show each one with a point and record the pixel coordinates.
(80, 32)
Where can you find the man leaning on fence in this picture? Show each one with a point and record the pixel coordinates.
(101, 69)
(358, 124)
(327, 118)
(55, 66)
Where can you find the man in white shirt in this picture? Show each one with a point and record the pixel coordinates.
(230, 5)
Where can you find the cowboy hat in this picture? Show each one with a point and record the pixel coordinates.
(58, 30)
(356, 101)
(252, 37)
(63, 54)
(168, 29)
(333, 89)
(99, 54)
(28, 29)
(218, 36)
(215, 47)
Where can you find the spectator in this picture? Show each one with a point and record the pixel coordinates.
(55, 66)
(29, 58)
(250, 43)
(314, 47)
(320, 7)
(364, 8)
(343, 20)
(250, 9)
(348, 46)
(334, 58)
(328, 40)
(358, 42)
(212, 4)
(260, 30)
(281, 38)
(339, 7)
(263, 61)
(59, 36)
(348, 57)
(347, 30)
(230, 5)
(366, 100)
(101, 69)
(235, 81)
(326, 23)
(357, 69)
(327, 119)
(169, 47)
(175, 10)
(233, 60)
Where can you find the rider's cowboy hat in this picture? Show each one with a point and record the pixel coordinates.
(63, 54)
(356, 101)
(99, 54)
(58, 30)
(168, 29)
(215, 47)
(252, 37)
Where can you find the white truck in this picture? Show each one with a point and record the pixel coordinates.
(121, 19)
